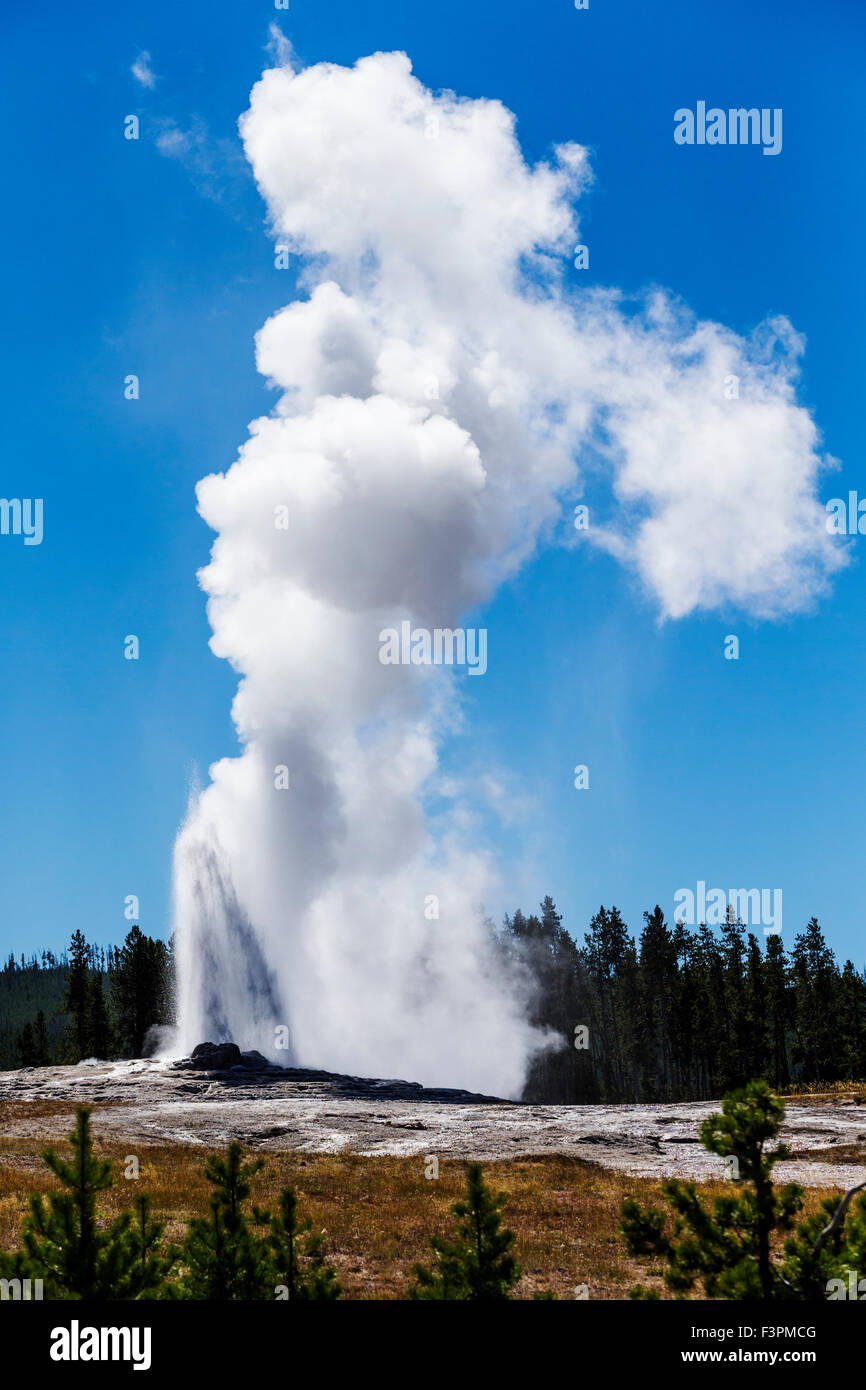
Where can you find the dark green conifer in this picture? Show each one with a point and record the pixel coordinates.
(100, 1040)
(730, 1245)
(298, 1256)
(77, 998)
(65, 1245)
(478, 1264)
(26, 1046)
(224, 1258)
(41, 1043)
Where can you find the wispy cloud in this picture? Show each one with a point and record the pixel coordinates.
(142, 70)
(280, 48)
(215, 165)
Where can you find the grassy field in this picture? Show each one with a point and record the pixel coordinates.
(378, 1213)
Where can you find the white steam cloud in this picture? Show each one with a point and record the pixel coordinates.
(439, 387)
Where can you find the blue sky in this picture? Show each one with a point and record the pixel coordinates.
(119, 260)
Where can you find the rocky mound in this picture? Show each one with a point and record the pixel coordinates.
(226, 1061)
(225, 1056)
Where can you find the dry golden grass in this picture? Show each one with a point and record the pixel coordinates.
(378, 1213)
(825, 1090)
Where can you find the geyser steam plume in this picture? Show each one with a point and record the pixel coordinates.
(438, 386)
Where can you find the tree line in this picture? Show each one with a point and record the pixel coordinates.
(676, 1014)
(679, 1013)
(90, 1002)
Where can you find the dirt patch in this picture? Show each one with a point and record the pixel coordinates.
(838, 1153)
(14, 1111)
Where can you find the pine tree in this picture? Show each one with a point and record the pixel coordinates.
(734, 1069)
(851, 1022)
(224, 1258)
(687, 1022)
(41, 1044)
(816, 979)
(77, 998)
(609, 955)
(755, 1036)
(728, 1245)
(140, 989)
(779, 1009)
(148, 1265)
(99, 1032)
(713, 1032)
(26, 1045)
(825, 1249)
(64, 1244)
(540, 951)
(298, 1257)
(657, 973)
(478, 1264)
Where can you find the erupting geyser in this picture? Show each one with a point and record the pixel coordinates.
(437, 386)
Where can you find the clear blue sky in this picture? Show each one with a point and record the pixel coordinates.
(117, 260)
